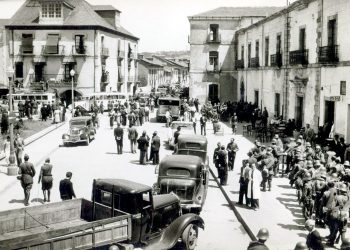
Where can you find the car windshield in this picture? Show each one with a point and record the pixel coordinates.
(77, 123)
(185, 192)
(169, 102)
(186, 126)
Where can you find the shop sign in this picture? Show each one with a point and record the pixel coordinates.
(333, 98)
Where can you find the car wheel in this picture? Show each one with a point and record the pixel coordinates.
(87, 141)
(190, 237)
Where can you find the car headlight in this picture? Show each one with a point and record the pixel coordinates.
(65, 136)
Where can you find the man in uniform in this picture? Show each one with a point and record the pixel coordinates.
(319, 155)
(215, 155)
(222, 163)
(231, 148)
(307, 194)
(143, 143)
(118, 135)
(320, 187)
(268, 164)
(262, 236)
(27, 172)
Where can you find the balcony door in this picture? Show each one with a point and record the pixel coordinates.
(213, 93)
(39, 72)
(299, 111)
(67, 68)
(27, 43)
(302, 39)
(332, 32)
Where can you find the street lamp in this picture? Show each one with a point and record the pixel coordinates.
(72, 73)
(12, 169)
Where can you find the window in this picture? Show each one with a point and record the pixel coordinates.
(277, 104)
(332, 32)
(27, 43)
(79, 44)
(213, 32)
(242, 52)
(302, 37)
(267, 44)
(213, 58)
(51, 10)
(256, 97)
(249, 53)
(19, 70)
(67, 69)
(257, 49)
(278, 44)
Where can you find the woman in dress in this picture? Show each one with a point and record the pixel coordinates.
(46, 179)
(57, 117)
(7, 150)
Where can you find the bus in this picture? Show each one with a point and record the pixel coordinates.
(168, 103)
(42, 97)
(87, 100)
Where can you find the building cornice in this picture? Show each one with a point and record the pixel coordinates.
(70, 27)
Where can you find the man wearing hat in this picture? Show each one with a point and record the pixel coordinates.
(307, 196)
(262, 236)
(27, 172)
(232, 149)
(132, 135)
(155, 145)
(66, 187)
(309, 134)
(215, 155)
(143, 144)
(319, 155)
(300, 145)
(313, 239)
(222, 165)
(309, 152)
(290, 151)
(279, 142)
(320, 186)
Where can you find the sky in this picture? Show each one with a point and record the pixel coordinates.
(161, 25)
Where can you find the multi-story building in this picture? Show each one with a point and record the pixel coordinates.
(212, 42)
(47, 39)
(151, 73)
(3, 58)
(295, 64)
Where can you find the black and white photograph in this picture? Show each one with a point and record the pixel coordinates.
(174, 124)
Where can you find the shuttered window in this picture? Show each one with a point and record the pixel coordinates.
(52, 44)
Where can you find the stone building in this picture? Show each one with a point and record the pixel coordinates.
(47, 39)
(3, 58)
(212, 42)
(294, 63)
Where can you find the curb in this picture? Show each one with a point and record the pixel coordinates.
(233, 207)
(42, 133)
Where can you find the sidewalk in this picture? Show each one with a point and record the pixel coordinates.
(33, 147)
(279, 210)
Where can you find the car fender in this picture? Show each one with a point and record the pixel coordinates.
(170, 235)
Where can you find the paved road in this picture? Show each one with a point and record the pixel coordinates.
(100, 160)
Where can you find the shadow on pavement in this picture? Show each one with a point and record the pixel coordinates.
(285, 186)
(111, 153)
(292, 227)
(40, 200)
(16, 201)
(234, 192)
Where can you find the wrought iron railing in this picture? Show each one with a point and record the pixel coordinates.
(79, 50)
(254, 62)
(328, 54)
(239, 64)
(276, 60)
(299, 57)
(52, 50)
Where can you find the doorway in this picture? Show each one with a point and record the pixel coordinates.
(39, 72)
(328, 116)
(213, 94)
(299, 111)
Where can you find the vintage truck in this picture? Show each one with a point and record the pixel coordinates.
(121, 212)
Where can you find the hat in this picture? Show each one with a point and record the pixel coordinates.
(318, 146)
(269, 149)
(292, 139)
(309, 164)
(307, 177)
(155, 132)
(346, 164)
(338, 159)
(343, 188)
(276, 136)
(317, 163)
(144, 132)
(308, 144)
(26, 157)
(273, 141)
(330, 153)
(300, 137)
(299, 141)
(263, 146)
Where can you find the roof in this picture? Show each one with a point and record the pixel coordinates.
(192, 138)
(121, 186)
(82, 15)
(180, 161)
(3, 22)
(239, 12)
(150, 63)
(104, 7)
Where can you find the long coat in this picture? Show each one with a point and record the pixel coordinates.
(257, 178)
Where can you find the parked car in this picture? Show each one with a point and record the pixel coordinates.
(187, 177)
(192, 144)
(121, 211)
(81, 129)
(186, 128)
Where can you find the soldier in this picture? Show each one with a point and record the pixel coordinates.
(232, 149)
(215, 155)
(307, 194)
(267, 172)
(118, 135)
(319, 155)
(328, 201)
(262, 236)
(309, 152)
(143, 143)
(320, 187)
(203, 122)
(222, 164)
(313, 240)
(27, 172)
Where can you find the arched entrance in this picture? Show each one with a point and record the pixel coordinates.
(242, 92)
(66, 96)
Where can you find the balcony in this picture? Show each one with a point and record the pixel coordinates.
(214, 39)
(276, 60)
(254, 62)
(213, 68)
(52, 50)
(239, 64)
(26, 50)
(131, 55)
(53, 80)
(104, 52)
(79, 50)
(328, 54)
(299, 57)
(105, 78)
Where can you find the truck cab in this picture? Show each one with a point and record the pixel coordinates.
(150, 215)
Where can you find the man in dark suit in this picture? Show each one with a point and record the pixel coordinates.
(27, 172)
(66, 187)
(203, 122)
(118, 135)
(132, 135)
(313, 240)
(176, 136)
(155, 148)
(143, 143)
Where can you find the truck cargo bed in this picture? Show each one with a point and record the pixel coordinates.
(63, 225)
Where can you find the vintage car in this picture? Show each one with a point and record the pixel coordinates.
(191, 144)
(187, 177)
(81, 129)
(186, 128)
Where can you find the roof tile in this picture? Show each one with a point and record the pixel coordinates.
(239, 12)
